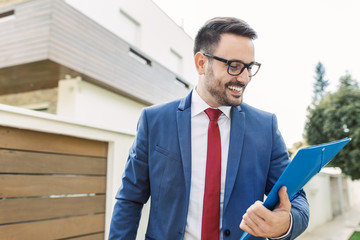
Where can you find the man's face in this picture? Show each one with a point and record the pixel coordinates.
(216, 86)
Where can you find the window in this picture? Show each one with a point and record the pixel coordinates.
(182, 83)
(6, 16)
(139, 57)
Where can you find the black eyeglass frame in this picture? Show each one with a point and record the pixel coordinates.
(229, 62)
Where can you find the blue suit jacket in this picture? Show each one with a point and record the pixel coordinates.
(159, 165)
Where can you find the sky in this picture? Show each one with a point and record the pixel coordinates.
(293, 36)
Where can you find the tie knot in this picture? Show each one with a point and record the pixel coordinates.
(213, 114)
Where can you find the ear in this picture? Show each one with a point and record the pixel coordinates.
(200, 63)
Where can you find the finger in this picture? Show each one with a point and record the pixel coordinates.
(245, 224)
(258, 211)
(248, 225)
(284, 199)
(255, 220)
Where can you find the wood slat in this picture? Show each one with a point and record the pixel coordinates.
(54, 229)
(38, 185)
(13, 138)
(12, 161)
(20, 210)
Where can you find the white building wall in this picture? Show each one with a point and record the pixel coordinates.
(318, 194)
(85, 102)
(144, 25)
(354, 192)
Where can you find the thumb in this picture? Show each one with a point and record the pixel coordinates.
(284, 199)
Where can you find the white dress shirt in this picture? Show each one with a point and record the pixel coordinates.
(199, 132)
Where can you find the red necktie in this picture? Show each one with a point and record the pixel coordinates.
(211, 210)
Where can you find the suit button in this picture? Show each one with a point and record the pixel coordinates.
(227, 232)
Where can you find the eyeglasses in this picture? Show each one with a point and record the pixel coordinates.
(236, 67)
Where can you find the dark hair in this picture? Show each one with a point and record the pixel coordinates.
(208, 36)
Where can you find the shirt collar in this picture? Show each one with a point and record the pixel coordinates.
(198, 105)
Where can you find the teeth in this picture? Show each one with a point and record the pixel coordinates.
(238, 89)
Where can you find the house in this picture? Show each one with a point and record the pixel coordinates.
(88, 79)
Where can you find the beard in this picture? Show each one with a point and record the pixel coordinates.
(220, 92)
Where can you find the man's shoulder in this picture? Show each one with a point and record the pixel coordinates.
(256, 111)
(174, 105)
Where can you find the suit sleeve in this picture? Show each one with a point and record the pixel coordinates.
(135, 190)
(300, 213)
(299, 203)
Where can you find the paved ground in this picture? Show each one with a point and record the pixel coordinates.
(340, 228)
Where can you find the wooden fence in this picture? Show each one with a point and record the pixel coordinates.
(51, 186)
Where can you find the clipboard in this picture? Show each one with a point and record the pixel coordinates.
(306, 164)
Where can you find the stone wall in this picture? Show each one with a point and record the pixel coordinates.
(41, 100)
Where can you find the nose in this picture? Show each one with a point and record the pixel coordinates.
(244, 77)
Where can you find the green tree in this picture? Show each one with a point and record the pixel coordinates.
(336, 116)
(320, 83)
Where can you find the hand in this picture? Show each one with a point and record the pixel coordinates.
(261, 222)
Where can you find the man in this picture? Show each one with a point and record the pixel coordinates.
(208, 159)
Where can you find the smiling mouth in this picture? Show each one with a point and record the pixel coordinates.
(236, 89)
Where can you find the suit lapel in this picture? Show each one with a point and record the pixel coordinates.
(235, 149)
(184, 133)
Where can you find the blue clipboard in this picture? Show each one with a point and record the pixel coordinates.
(306, 164)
